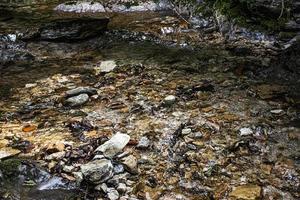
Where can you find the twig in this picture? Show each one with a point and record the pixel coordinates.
(282, 9)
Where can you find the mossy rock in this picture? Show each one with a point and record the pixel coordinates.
(10, 167)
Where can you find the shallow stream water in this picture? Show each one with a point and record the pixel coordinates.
(218, 92)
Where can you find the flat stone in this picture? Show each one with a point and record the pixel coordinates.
(8, 152)
(97, 171)
(114, 145)
(246, 192)
(81, 90)
(77, 100)
(107, 66)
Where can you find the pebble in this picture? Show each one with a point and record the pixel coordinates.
(112, 194)
(68, 168)
(118, 169)
(77, 100)
(102, 187)
(169, 100)
(186, 131)
(245, 131)
(97, 171)
(122, 188)
(114, 145)
(106, 66)
(277, 111)
(56, 156)
(144, 143)
(130, 163)
(30, 85)
(78, 176)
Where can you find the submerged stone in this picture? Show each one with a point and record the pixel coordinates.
(72, 29)
(144, 143)
(246, 192)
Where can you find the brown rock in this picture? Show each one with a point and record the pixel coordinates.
(246, 192)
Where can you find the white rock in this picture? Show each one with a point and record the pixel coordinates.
(107, 66)
(114, 145)
(81, 7)
(246, 131)
(30, 85)
(277, 111)
(170, 99)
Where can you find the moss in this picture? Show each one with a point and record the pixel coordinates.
(5, 91)
(243, 13)
(130, 4)
(10, 167)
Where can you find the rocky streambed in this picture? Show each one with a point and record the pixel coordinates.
(141, 106)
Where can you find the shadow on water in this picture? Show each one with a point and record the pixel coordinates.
(23, 180)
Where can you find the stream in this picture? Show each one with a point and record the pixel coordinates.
(207, 119)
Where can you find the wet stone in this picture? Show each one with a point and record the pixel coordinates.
(77, 100)
(97, 171)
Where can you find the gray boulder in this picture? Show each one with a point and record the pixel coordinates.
(97, 171)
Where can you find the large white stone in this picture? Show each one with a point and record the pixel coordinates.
(114, 145)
